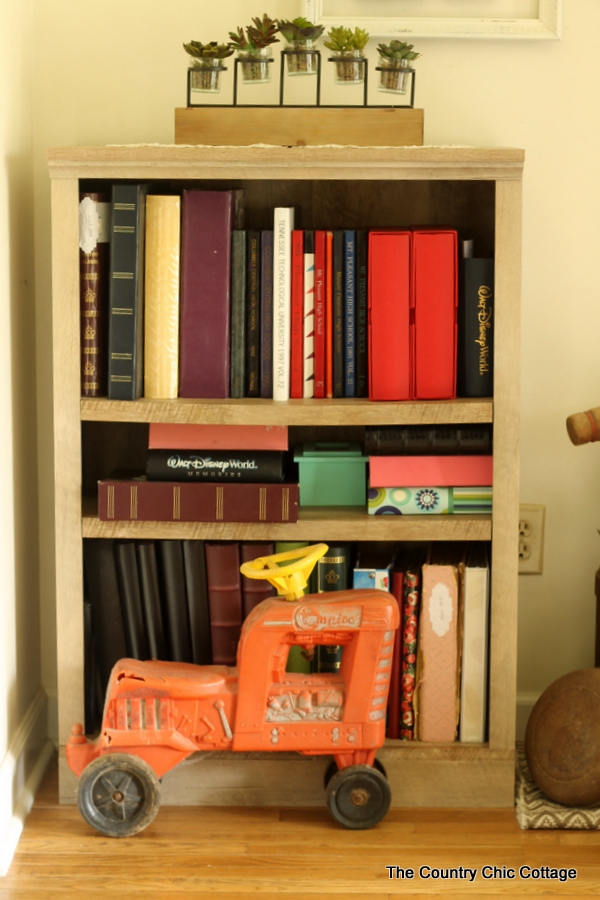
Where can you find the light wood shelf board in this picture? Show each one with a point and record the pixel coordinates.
(290, 412)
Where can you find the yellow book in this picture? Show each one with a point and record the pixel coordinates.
(161, 292)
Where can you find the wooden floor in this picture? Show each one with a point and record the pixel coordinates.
(241, 852)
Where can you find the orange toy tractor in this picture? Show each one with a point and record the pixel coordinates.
(158, 713)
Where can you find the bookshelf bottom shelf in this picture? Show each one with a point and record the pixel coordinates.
(472, 776)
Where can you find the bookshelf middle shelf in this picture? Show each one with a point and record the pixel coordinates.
(316, 523)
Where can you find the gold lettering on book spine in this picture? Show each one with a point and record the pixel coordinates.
(133, 502)
(285, 505)
(484, 319)
(262, 504)
(110, 501)
(176, 503)
(219, 504)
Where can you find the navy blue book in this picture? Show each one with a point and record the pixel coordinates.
(266, 314)
(350, 313)
(362, 331)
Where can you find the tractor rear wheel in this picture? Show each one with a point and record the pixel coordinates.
(118, 794)
(358, 797)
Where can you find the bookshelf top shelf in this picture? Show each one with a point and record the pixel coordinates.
(290, 412)
(270, 162)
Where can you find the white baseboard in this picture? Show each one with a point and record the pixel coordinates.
(21, 772)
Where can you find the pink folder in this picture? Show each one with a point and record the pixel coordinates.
(437, 471)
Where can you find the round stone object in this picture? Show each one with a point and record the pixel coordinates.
(562, 740)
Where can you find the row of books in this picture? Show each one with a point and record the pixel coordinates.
(179, 300)
(186, 601)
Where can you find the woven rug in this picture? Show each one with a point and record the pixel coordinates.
(536, 810)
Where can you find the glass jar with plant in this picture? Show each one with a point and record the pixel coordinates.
(207, 64)
(254, 48)
(394, 71)
(301, 37)
(347, 47)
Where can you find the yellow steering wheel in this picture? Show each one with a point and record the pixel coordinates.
(290, 580)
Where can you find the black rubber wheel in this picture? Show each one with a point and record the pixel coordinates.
(358, 797)
(118, 794)
(332, 769)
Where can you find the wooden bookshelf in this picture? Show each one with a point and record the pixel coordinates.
(477, 191)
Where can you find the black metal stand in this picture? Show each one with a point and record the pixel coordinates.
(282, 82)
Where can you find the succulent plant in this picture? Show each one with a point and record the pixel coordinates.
(260, 34)
(342, 40)
(299, 29)
(396, 52)
(212, 50)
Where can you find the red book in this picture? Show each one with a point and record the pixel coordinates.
(389, 315)
(297, 321)
(207, 222)
(392, 728)
(329, 315)
(435, 300)
(224, 599)
(135, 499)
(171, 436)
(320, 315)
(441, 471)
(255, 590)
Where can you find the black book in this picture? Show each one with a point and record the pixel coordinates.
(131, 600)
(332, 574)
(102, 588)
(475, 353)
(126, 292)
(252, 349)
(362, 312)
(338, 314)
(194, 562)
(237, 338)
(256, 466)
(173, 592)
(425, 440)
(150, 594)
(93, 694)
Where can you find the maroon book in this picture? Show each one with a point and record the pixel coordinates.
(224, 599)
(131, 499)
(94, 261)
(207, 224)
(255, 590)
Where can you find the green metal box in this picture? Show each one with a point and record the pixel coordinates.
(332, 474)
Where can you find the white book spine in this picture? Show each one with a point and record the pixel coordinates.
(473, 689)
(283, 224)
(309, 325)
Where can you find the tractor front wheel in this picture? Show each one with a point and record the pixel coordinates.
(358, 797)
(118, 794)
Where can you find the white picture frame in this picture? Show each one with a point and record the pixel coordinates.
(546, 25)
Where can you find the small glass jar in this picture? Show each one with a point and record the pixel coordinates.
(349, 67)
(255, 66)
(302, 57)
(205, 75)
(394, 77)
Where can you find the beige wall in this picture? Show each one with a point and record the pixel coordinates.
(114, 72)
(22, 701)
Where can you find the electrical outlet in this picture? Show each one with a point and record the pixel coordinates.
(531, 538)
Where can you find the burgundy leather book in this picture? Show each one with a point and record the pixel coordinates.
(207, 224)
(255, 590)
(94, 262)
(131, 499)
(224, 599)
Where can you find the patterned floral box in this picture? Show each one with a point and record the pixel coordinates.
(404, 501)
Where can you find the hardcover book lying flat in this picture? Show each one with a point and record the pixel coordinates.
(410, 501)
(135, 499)
(449, 471)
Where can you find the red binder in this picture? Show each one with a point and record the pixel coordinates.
(389, 315)
(435, 301)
